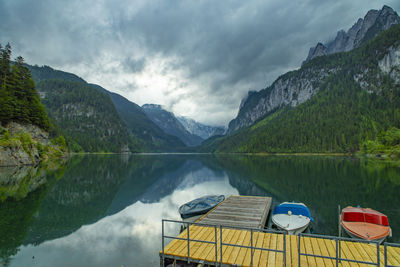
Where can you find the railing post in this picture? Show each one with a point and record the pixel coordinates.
(299, 248)
(378, 254)
(284, 249)
(188, 242)
(162, 243)
(385, 251)
(220, 242)
(251, 247)
(216, 250)
(337, 252)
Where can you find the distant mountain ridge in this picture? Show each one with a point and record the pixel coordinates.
(374, 22)
(170, 124)
(199, 129)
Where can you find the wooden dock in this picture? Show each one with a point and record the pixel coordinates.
(232, 213)
(240, 211)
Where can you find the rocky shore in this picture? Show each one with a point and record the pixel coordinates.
(24, 144)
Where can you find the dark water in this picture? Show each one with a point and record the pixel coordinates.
(107, 210)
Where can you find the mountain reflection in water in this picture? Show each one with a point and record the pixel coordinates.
(106, 210)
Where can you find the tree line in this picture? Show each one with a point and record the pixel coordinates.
(19, 100)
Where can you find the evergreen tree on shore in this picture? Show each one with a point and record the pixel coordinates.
(19, 100)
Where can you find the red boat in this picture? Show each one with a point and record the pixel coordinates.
(364, 223)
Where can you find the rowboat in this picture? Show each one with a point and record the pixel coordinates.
(291, 217)
(365, 223)
(200, 206)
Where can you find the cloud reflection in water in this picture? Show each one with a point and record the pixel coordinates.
(132, 237)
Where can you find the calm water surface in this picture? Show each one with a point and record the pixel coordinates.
(107, 210)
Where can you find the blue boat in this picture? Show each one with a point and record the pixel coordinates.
(200, 206)
(291, 217)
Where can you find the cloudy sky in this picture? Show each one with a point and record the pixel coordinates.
(197, 58)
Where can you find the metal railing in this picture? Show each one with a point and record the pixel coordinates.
(385, 253)
(338, 257)
(221, 244)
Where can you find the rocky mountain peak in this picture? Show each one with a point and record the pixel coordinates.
(152, 106)
(374, 22)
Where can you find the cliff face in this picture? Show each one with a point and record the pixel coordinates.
(287, 90)
(25, 144)
(298, 86)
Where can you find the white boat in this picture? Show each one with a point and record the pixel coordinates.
(291, 217)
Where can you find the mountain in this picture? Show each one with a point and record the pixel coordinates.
(126, 118)
(199, 129)
(152, 137)
(374, 22)
(332, 103)
(170, 124)
(297, 87)
(86, 116)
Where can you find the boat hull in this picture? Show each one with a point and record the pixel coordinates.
(366, 224)
(293, 218)
(200, 206)
(290, 228)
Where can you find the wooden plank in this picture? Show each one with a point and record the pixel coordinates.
(265, 254)
(209, 254)
(234, 217)
(247, 257)
(294, 250)
(244, 224)
(364, 251)
(231, 233)
(308, 249)
(357, 253)
(317, 251)
(227, 254)
(183, 243)
(288, 251)
(279, 246)
(346, 254)
(199, 235)
(271, 254)
(393, 255)
(242, 252)
(324, 251)
(258, 244)
(330, 246)
(206, 236)
(234, 254)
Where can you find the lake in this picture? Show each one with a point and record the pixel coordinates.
(106, 210)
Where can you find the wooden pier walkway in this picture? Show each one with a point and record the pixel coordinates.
(280, 246)
(241, 211)
(205, 253)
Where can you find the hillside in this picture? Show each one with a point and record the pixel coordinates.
(150, 135)
(126, 118)
(87, 116)
(353, 96)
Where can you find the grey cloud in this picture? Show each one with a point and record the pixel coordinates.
(222, 45)
(133, 65)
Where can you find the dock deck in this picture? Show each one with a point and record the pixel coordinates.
(241, 211)
(208, 240)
